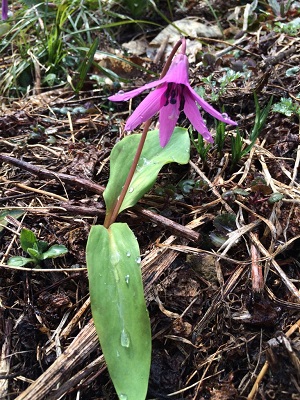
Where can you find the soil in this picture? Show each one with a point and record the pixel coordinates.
(225, 320)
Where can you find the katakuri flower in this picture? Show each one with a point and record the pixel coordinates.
(172, 95)
(4, 9)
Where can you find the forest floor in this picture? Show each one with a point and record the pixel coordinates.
(225, 318)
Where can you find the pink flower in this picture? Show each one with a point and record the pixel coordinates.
(172, 95)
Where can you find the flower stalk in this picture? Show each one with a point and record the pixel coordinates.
(173, 94)
(110, 218)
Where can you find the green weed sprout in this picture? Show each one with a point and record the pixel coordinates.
(38, 250)
(201, 147)
(286, 107)
(237, 149)
(220, 137)
(280, 8)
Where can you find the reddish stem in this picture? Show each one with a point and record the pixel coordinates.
(110, 218)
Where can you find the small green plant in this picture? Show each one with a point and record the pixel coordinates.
(237, 149)
(220, 137)
(280, 8)
(218, 91)
(55, 40)
(38, 250)
(200, 146)
(291, 28)
(286, 107)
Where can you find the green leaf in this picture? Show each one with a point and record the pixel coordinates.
(34, 253)
(4, 28)
(119, 309)
(86, 64)
(275, 197)
(27, 239)
(42, 246)
(19, 261)
(57, 250)
(12, 213)
(153, 158)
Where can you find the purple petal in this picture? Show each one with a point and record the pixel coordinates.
(193, 114)
(121, 96)
(179, 70)
(4, 9)
(208, 108)
(168, 117)
(146, 109)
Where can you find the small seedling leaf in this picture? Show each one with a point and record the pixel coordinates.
(11, 213)
(27, 239)
(19, 261)
(42, 246)
(34, 253)
(57, 250)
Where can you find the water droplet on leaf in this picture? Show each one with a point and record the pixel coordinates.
(225, 116)
(127, 278)
(122, 396)
(115, 258)
(125, 339)
(128, 254)
(130, 190)
(138, 260)
(146, 162)
(121, 92)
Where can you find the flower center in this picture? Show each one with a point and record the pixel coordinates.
(174, 94)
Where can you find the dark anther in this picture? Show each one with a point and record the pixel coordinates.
(181, 105)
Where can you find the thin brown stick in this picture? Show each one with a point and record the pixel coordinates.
(75, 181)
(174, 227)
(265, 367)
(34, 190)
(88, 185)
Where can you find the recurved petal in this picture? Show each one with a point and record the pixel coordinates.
(208, 108)
(193, 114)
(168, 117)
(124, 96)
(146, 109)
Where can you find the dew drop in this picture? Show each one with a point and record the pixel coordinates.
(131, 190)
(146, 162)
(225, 116)
(128, 254)
(118, 354)
(123, 396)
(127, 279)
(115, 258)
(121, 92)
(138, 260)
(125, 339)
